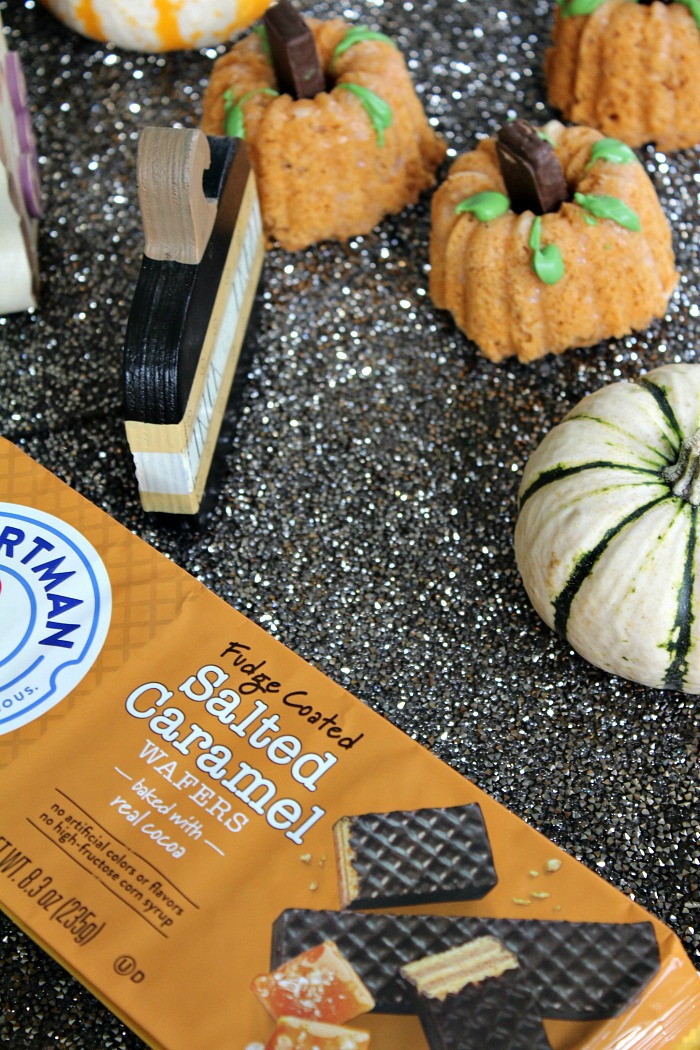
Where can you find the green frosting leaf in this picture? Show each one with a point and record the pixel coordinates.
(612, 150)
(604, 207)
(234, 125)
(485, 206)
(546, 138)
(261, 32)
(536, 233)
(378, 111)
(233, 117)
(579, 7)
(355, 36)
(546, 262)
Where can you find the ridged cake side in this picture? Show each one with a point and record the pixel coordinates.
(630, 70)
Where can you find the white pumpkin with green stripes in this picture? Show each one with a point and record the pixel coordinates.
(607, 534)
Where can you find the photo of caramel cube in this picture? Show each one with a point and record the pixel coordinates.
(296, 1033)
(319, 985)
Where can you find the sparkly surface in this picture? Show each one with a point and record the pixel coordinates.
(366, 511)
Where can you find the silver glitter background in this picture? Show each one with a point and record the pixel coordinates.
(366, 509)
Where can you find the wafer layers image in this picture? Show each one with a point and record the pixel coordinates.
(413, 857)
(577, 971)
(473, 997)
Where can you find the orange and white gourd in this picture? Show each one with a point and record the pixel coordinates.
(607, 534)
(158, 25)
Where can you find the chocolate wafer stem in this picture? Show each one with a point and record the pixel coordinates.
(293, 51)
(530, 168)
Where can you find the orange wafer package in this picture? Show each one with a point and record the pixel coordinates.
(184, 805)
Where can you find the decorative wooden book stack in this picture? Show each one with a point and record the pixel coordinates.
(20, 194)
(202, 264)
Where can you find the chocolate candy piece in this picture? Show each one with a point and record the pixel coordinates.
(413, 857)
(294, 1033)
(530, 168)
(293, 51)
(577, 971)
(319, 985)
(472, 997)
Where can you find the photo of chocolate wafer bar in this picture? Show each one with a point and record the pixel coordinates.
(472, 997)
(416, 856)
(576, 971)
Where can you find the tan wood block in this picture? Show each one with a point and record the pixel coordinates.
(177, 217)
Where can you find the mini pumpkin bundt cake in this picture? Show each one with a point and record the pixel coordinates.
(630, 69)
(542, 240)
(333, 165)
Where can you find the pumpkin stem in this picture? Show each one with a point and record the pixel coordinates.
(684, 475)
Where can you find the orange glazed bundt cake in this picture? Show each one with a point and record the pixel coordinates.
(547, 239)
(330, 166)
(630, 69)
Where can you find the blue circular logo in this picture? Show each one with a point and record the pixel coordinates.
(55, 609)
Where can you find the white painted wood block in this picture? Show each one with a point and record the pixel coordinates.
(20, 193)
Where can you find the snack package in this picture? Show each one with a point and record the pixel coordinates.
(170, 781)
